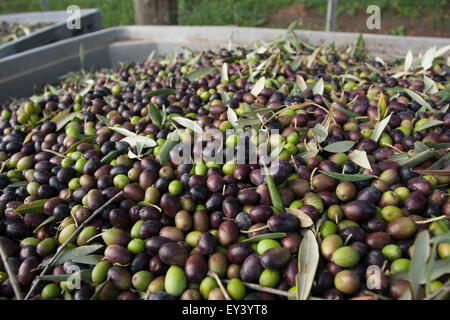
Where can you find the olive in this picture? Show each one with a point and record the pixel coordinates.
(206, 243)
(199, 194)
(99, 273)
(275, 258)
(170, 204)
(248, 197)
(218, 263)
(195, 268)
(260, 213)
(238, 252)
(236, 289)
(94, 199)
(243, 221)
(134, 192)
(283, 222)
(359, 210)
(27, 270)
(322, 182)
(251, 269)
(401, 228)
(329, 245)
(120, 277)
(377, 240)
(206, 286)
(173, 254)
(115, 236)
(228, 233)
(230, 207)
(346, 191)
(415, 202)
(117, 254)
(150, 228)
(175, 281)
(191, 294)
(345, 257)
(347, 282)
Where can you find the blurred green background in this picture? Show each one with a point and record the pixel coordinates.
(401, 17)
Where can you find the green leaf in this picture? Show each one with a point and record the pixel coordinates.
(155, 115)
(274, 235)
(305, 220)
(421, 251)
(73, 254)
(419, 100)
(123, 131)
(168, 145)
(418, 158)
(194, 75)
(277, 203)
(91, 259)
(429, 124)
(73, 147)
(136, 141)
(84, 274)
(341, 146)
(35, 207)
(232, 117)
(438, 164)
(379, 128)
(109, 157)
(320, 133)
(440, 268)
(291, 27)
(360, 158)
(90, 84)
(44, 223)
(65, 120)
(97, 293)
(258, 87)
(224, 73)
(296, 63)
(351, 114)
(301, 83)
(81, 54)
(18, 184)
(160, 92)
(102, 119)
(187, 123)
(60, 114)
(308, 260)
(349, 177)
(319, 87)
(276, 152)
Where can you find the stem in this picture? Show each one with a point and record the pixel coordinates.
(444, 289)
(432, 220)
(219, 282)
(77, 231)
(12, 277)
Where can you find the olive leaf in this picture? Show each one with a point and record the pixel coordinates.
(44, 223)
(440, 268)
(421, 251)
(18, 184)
(276, 152)
(232, 117)
(97, 293)
(194, 75)
(348, 177)
(84, 275)
(155, 115)
(224, 73)
(28, 137)
(430, 86)
(274, 235)
(430, 124)
(338, 147)
(308, 260)
(187, 123)
(427, 59)
(291, 27)
(73, 147)
(320, 133)
(258, 87)
(360, 158)
(35, 207)
(419, 100)
(301, 83)
(66, 119)
(296, 63)
(168, 145)
(123, 131)
(90, 84)
(73, 254)
(160, 92)
(351, 114)
(251, 77)
(308, 154)
(140, 140)
(379, 128)
(416, 159)
(91, 259)
(319, 87)
(225, 97)
(408, 61)
(437, 165)
(277, 203)
(102, 119)
(305, 220)
(109, 157)
(60, 115)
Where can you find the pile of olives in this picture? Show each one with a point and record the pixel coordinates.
(176, 225)
(12, 31)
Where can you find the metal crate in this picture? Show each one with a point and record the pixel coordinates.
(90, 21)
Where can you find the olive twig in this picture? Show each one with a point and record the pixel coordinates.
(72, 236)
(255, 230)
(432, 220)
(12, 277)
(219, 282)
